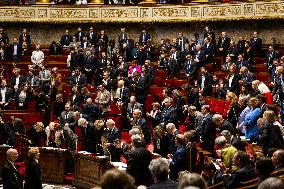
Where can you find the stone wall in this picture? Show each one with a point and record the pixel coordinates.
(46, 33)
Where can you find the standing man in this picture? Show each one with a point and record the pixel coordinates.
(10, 175)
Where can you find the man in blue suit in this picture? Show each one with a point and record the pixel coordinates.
(178, 161)
(90, 110)
(114, 132)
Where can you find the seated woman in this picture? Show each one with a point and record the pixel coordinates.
(23, 96)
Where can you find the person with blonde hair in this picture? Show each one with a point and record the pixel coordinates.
(33, 172)
(36, 135)
(234, 110)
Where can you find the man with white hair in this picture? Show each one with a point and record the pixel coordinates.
(114, 132)
(222, 124)
(169, 114)
(140, 121)
(159, 169)
(173, 132)
(131, 106)
(10, 175)
(259, 87)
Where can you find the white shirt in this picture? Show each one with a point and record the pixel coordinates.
(3, 94)
(17, 81)
(263, 88)
(15, 49)
(230, 80)
(202, 81)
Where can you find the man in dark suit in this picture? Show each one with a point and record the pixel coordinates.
(6, 95)
(233, 78)
(246, 170)
(278, 88)
(209, 50)
(189, 138)
(78, 79)
(190, 67)
(103, 39)
(32, 79)
(178, 161)
(10, 175)
(241, 45)
(204, 82)
(247, 78)
(66, 39)
(138, 120)
(271, 55)
(26, 35)
(139, 87)
(17, 80)
(92, 37)
(122, 37)
(169, 114)
(123, 93)
(207, 130)
(67, 116)
(159, 169)
(199, 55)
(138, 162)
(4, 36)
(16, 50)
(76, 60)
(241, 62)
(90, 110)
(172, 133)
(181, 41)
(79, 35)
(131, 106)
(144, 37)
(223, 45)
(256, 43)
(114, 132)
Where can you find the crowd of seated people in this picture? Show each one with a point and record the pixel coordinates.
(181, 123)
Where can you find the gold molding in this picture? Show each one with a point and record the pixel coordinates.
(145, 13)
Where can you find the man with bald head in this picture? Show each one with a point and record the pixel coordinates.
(10, 175)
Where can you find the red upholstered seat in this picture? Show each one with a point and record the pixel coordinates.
(31, 106)
(148, 102)
(125, 137)
(182, 129)
(159, 82)
(115, 110)
(161, 73)
(264, 76)
(217, 106)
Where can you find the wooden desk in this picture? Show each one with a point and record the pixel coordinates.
(52, 163)
(89, 170)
